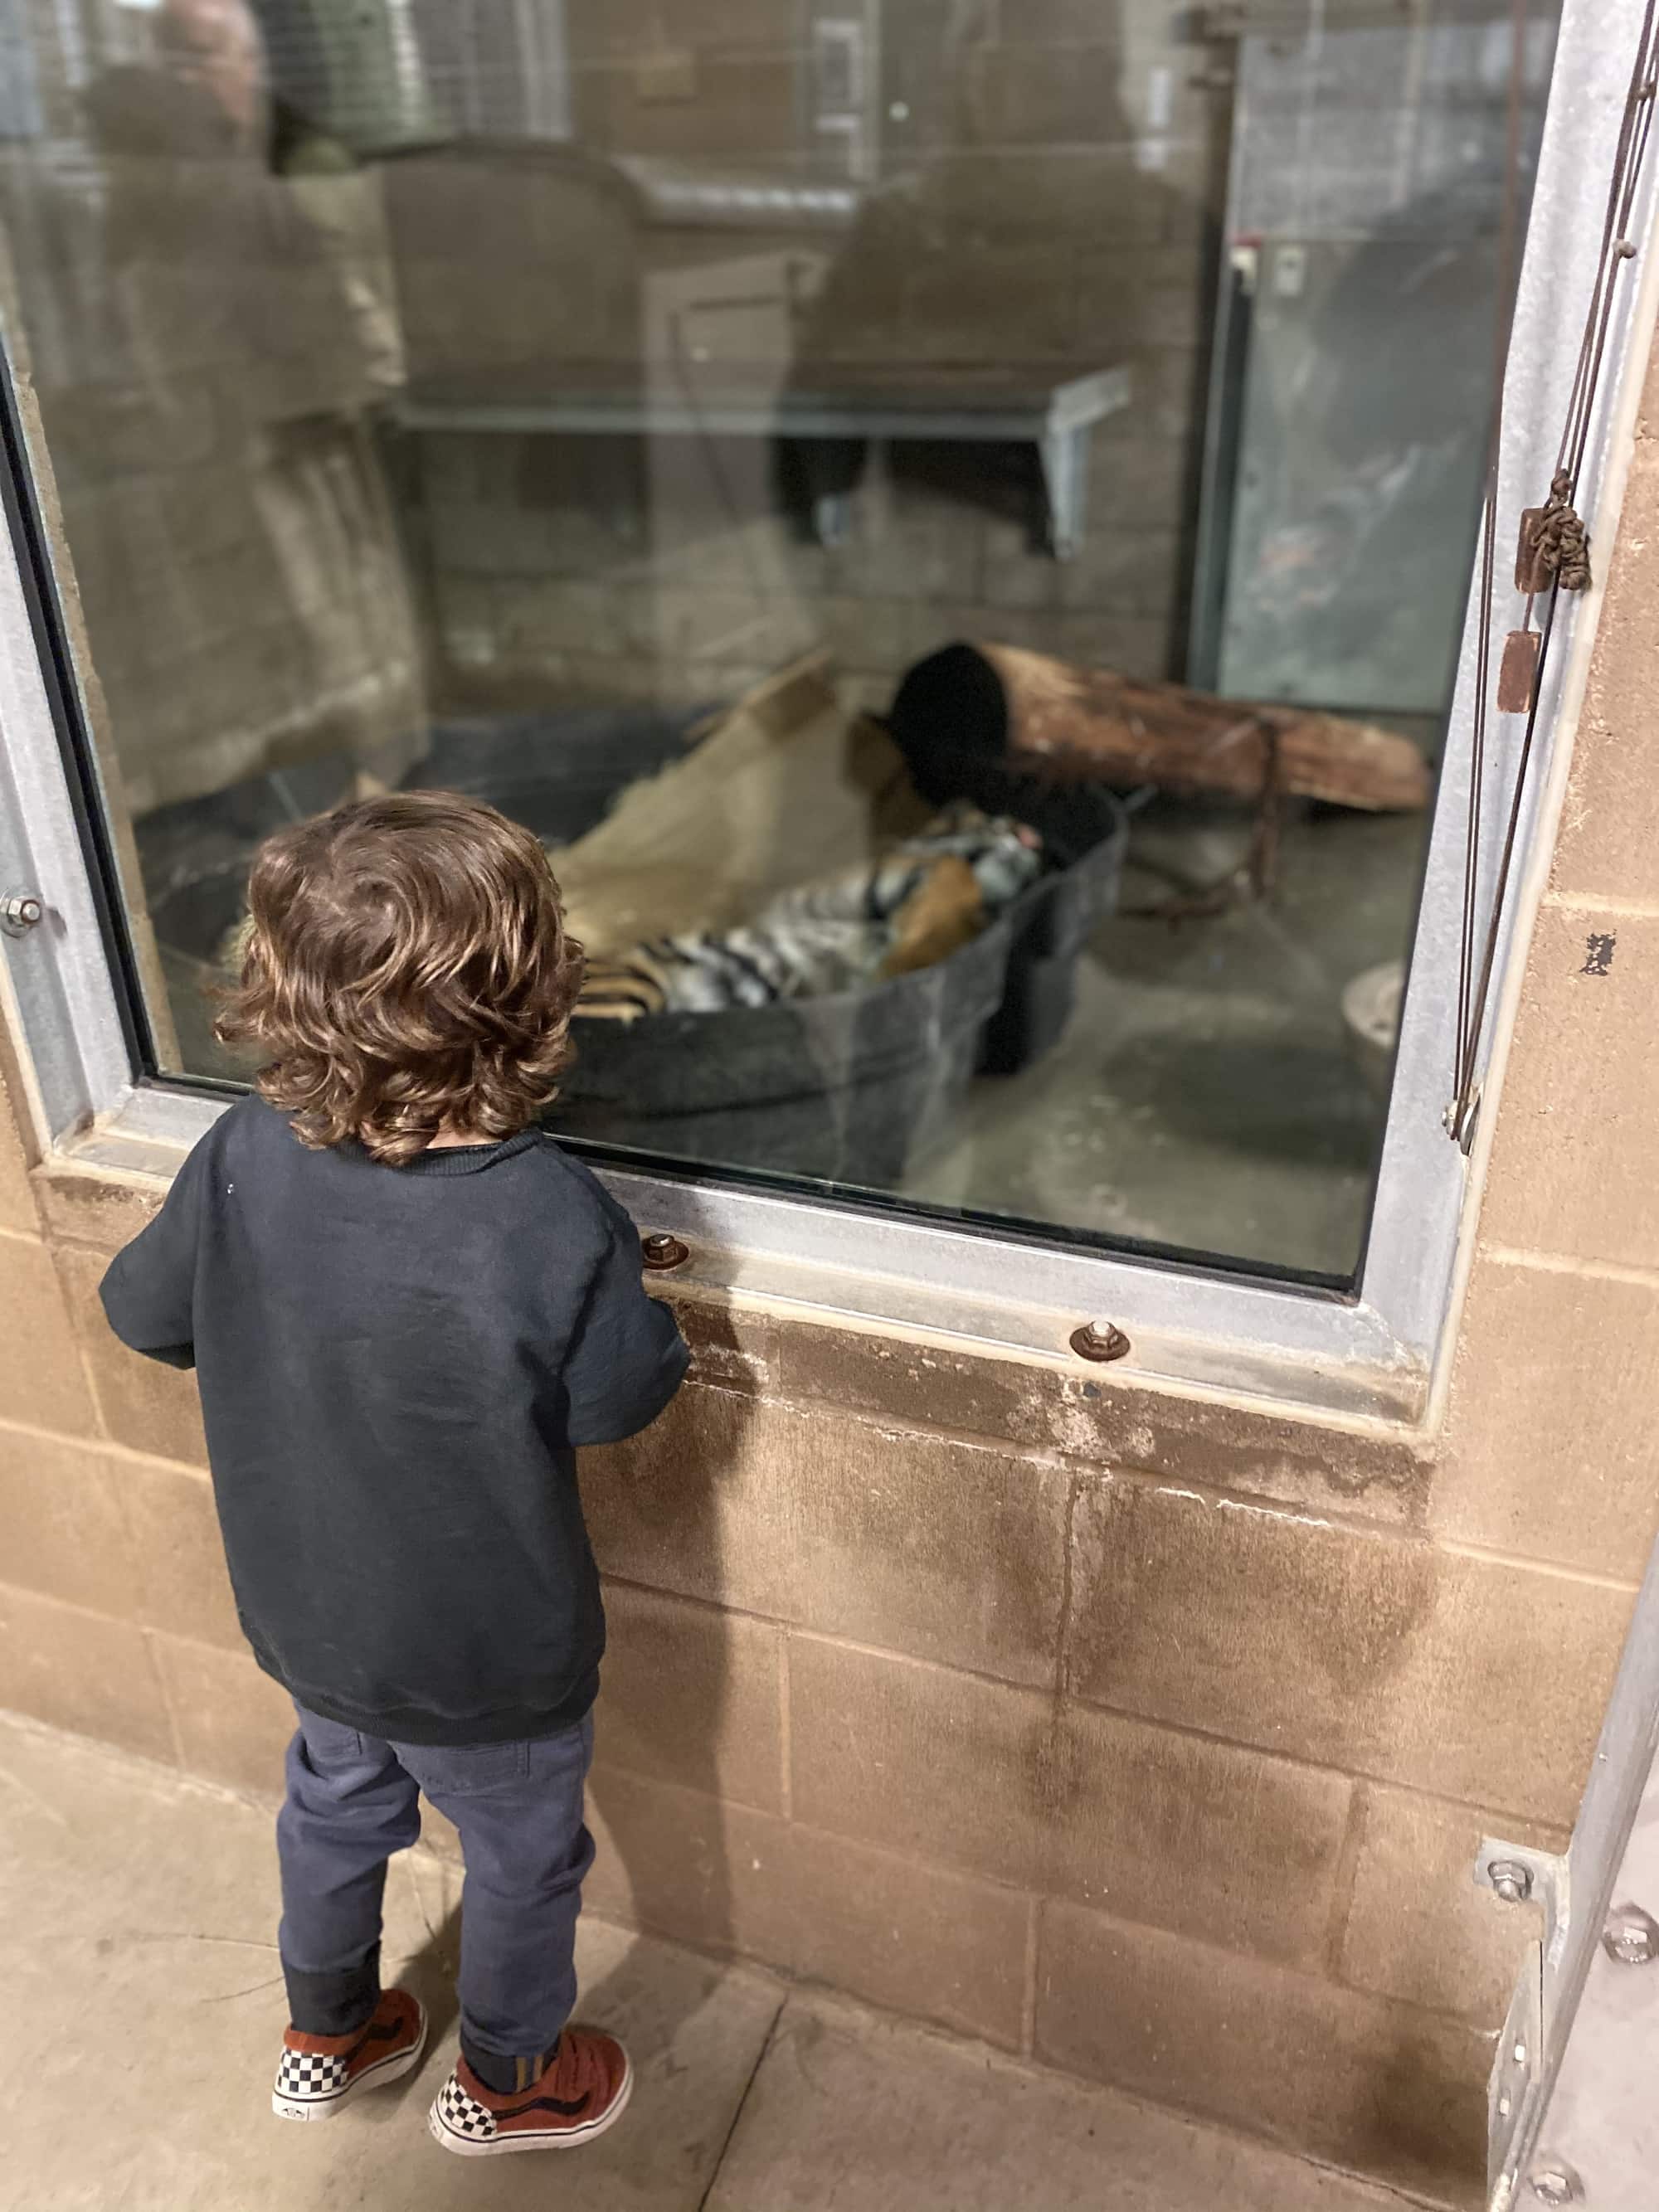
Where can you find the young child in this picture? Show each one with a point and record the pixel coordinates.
(406, 1306)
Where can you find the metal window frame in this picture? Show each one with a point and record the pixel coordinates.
(1200, 1326)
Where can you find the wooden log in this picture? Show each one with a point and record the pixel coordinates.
(972, 706)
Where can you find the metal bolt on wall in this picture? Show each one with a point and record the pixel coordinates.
(1557, 2184)
(20, 912)
(1631, 1938)
(1510, 1880)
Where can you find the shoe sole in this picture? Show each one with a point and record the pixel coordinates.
(379, 2075)
(560, 2139)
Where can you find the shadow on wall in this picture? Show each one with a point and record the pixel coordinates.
(688, 1730)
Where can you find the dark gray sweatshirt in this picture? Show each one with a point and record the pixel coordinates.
(395, 1365)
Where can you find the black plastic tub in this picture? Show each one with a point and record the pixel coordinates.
(854, 1087)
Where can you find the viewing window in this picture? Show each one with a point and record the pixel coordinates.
(952, 519)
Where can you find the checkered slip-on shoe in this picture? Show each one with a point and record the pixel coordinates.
(320, 2073)
(583, 2091)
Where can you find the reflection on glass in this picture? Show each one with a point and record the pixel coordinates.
(606, 408)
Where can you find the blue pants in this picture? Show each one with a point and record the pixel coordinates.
(353, 1800)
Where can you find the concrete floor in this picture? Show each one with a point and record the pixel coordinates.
(1204, 1095)
(137, 1913)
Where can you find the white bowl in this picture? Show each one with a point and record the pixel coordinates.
(1370, 1015)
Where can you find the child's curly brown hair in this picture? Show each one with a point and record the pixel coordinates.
(407, 971)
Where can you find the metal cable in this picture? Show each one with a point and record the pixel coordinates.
(1507, 273)
(1554, 543)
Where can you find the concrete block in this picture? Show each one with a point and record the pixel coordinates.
(1001, 1783)
(42, 1381)
(76, 1208)
(146, 1407)
(1138, 645)
(179, 1579)
(859, 314)
(1039, 95)
(1144, 296)
(945, 1550)
(471, 470)
(80, 1671)
(729, 1347)
(540, 615)
(66, 1537)
(1418, 1927)
(1139, 459)
(910, 544)
(1070, 23)
(868, 634)
(1388, 1657)
(1018, 576)
(692, 1695)
(922, 1940)
(473, 540)
(16, 1198)
(1110, 1420)
(1378, 2087)
(745, 109)
(232, 1721)
(1578, 1120)
(1603, 850)
(1548, 1447)
(937, 1945)
(708, 626)
(1124, 572)
(581, 485)
(665, 1855)
(970, 302)
(1083, 194)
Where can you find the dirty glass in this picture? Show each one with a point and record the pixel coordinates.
(951, 518)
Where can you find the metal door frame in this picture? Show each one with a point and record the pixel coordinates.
(1574, 2099)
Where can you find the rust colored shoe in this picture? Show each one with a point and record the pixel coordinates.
(318, 2073)
(583, 2091)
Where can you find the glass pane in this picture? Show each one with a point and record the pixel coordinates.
(794, 454)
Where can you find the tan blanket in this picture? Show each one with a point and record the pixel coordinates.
(783, 789)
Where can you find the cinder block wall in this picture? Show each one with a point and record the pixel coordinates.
(1148, 1735)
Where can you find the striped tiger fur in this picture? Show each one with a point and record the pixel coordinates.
(910, 907)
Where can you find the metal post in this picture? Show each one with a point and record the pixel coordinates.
(1575, 2089)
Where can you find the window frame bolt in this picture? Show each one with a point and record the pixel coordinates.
(661, 1253)
(1100, 1340)
(1510, 1880)
(1556, 2184)
(1631, 1937)
(20, 912)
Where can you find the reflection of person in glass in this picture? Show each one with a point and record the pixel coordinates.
(205, 94)
(985, 246)
(207, 338)
(1371, 446)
